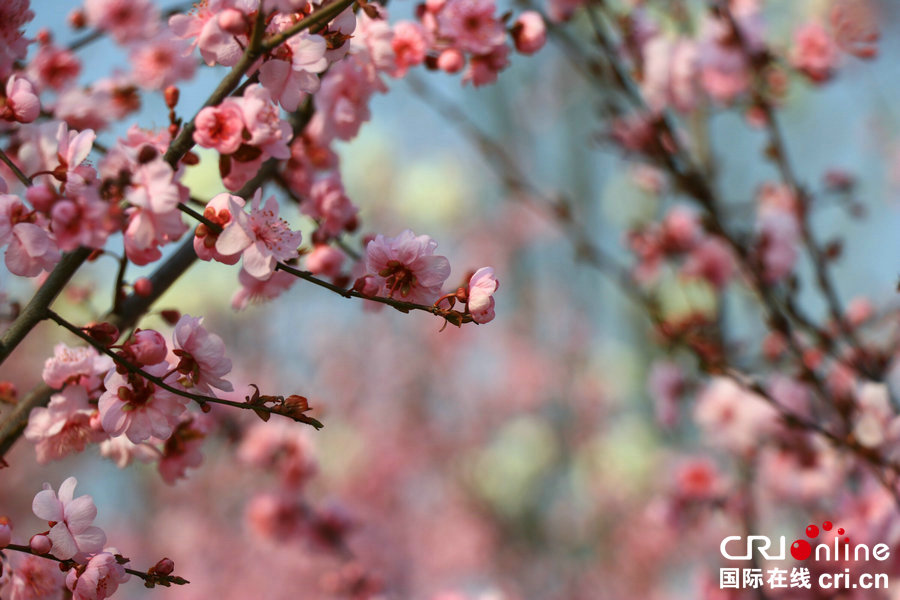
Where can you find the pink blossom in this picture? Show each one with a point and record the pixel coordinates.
(855, 25)
(138, 408)
(671, 73)
(308, 155)
(409, 44)
(64, 426)
(22, 103)
(182, 450)
(202, 356)
(32, 578)
(471, 25)
(73, 149)
(161, 62)
(407, 266)
(125, 20)
(480, 303)
(99, 580)
(529, 32)
(733, 418)
(81, 218)
(220, 127)
(262, 237)
(82, 366)
(256, 291)
(293, 71)
(342, 103)
(53, 67)
(147, 231)
(282, 446)
(267, 130)
(484, 69)
(146, 347)
(276, 516)
(72, 534)
(779, 234)
(123, 451)
(31, 250)
(325, 260)
(14, 14)
(202, 25)
(698, 479)
(205, 238)
(814, 52)
(329, 205)
(711, 260)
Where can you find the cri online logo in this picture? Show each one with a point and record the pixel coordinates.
(801, 549)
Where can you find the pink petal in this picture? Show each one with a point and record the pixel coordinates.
(80, 513)
(64, 545)
(91, 540)
(47, 507)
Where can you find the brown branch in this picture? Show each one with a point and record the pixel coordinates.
(158, 381)
(151, 578)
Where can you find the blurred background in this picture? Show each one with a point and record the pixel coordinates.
(520, 459)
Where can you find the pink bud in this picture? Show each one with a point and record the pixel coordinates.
(529, 32)
(148, 347)
(164, 567)
(22, 103)
(143, 287)
(451, 60)
(233, 21)
(325, 260)
(5, 532)
(40, 543)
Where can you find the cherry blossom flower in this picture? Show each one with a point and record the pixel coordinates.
(14, 14)
(733, 418)
(99, 580)
(671, 73)
(123, 451)
(182, 450)
(342, 103)
(32, 578)
(21, 103)
(281, 445)
(262, 237)
(202, 356)
(257, 291)
(480, 303)
(471, 25)
(220, 127)
(147, 231)
(814, 52)
(53, 67)
(82, 366)
(125, 20)
(138, 408)
(410, 45)
(72, 534)
(855, 25)
(329, 205)
(205, 238)
(293, 72)
(267, 131)
(325, 260)
(64, 427)
(30, 249)
(407, 267)
(146, 347)
(202, 25)
(161, 62)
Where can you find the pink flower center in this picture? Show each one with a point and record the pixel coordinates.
(398, 276)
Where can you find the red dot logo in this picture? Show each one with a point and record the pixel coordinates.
(801, 549)
(812, 531)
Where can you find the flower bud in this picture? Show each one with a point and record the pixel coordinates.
(147, 347)
(5, 532)
(40, 543)
(529, 32)
(143, 287)
(451, 60)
